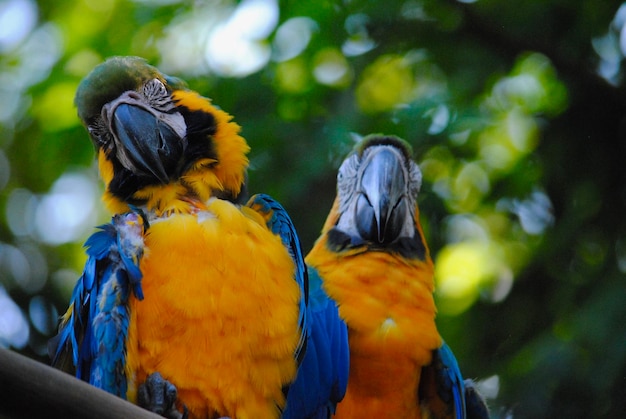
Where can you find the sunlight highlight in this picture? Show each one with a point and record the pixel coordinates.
(292, 38)
(17, 20)
(237, 47)
(331, 68)
(13, 324)
(68, 211)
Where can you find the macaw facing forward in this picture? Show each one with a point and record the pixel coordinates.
(374, 262)
(186, 282)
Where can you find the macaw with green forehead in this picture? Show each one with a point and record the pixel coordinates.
(374, 262)
(192, 302)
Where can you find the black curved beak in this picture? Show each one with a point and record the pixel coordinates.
(148, 143)
(380, 214)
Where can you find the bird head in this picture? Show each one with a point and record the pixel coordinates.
(159, 144)
(376, 203)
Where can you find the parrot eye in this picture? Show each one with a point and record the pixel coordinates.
(415, 180)
(157, 96)
(347, 174)
(99, 133)
(348, 167)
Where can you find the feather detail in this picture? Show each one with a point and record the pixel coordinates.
(93, 331)
(230, 146)
(220, 317)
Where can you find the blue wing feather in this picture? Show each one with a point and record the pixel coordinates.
(323, 353)
(323, 375)
(452, 380)
(462, 394)
(279, 223)
(92, 336)
(442, 390)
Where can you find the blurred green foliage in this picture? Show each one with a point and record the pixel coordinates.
(516, 113)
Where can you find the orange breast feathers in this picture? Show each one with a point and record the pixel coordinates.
(388, 304)
(220, 314)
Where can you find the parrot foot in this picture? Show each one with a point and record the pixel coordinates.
(158, 395)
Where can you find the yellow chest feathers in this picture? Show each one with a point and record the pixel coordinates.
(220, 313)
(386, 301)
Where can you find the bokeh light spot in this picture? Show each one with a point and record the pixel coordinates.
(17, 20)
(535, 213)
(463, 270)
(513, 136)
(68, 210)
(440, 117)
(292, 38)
(20, 211)
(14, 329)
(13, 104)
(385, 83)
(14, 264)
(293, 76)
(43, 315)
(55, 109)
(182, 47)
(39, 54)
(81, 63)
(469, 187)
(32, 271)
(236, 48)
(459, 271)
(358, 41)
(228, 54)
(465, 227)
(331, 68)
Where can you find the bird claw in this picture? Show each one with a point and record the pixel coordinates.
(159, 396)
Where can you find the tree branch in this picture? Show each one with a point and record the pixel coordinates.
(30, 389)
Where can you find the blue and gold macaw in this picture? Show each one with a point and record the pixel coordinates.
(191, 300)
(374, 262)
